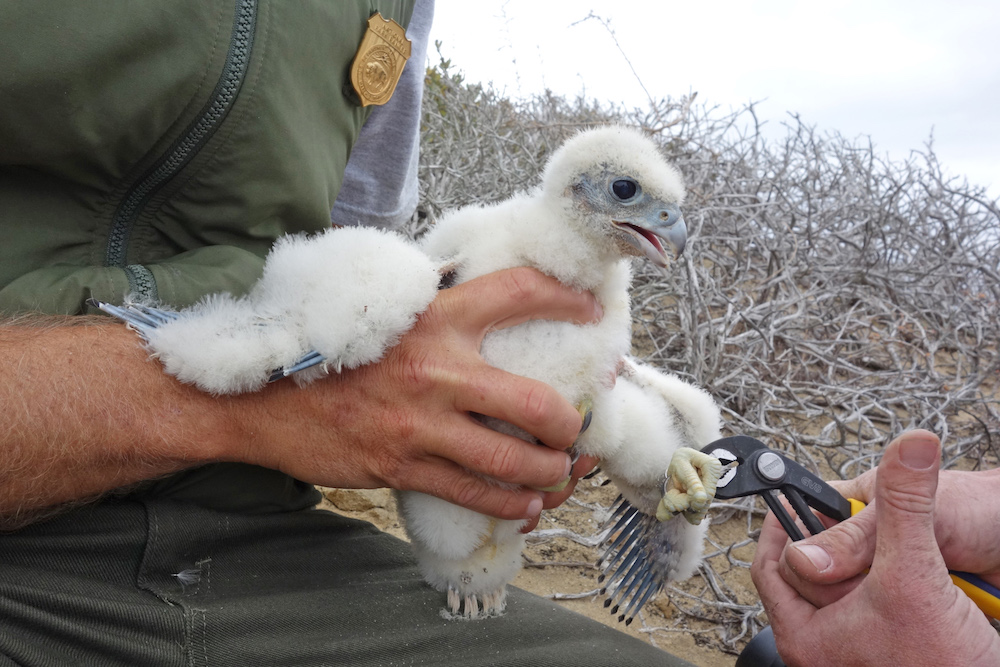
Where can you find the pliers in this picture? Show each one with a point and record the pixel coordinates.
(755, 469)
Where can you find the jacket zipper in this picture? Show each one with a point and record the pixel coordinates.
(197, 134)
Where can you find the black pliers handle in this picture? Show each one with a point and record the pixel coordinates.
(765, 472)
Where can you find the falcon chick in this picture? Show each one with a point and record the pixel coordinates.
(340, 299)
(607, 195)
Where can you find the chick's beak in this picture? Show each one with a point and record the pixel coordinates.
(676, 236)
(646, 234)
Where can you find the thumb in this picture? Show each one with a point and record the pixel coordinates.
(907, 476)
(904, 502)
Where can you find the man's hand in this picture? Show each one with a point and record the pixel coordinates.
(906, 610)
(967, 509)
(405, 421)
(85, 412)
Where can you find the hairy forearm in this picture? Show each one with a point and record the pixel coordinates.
(84, 411)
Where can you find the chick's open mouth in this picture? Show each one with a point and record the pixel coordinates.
(645, 240)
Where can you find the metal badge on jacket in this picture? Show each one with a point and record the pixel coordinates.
(379, 61)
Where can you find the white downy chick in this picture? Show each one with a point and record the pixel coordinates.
(607, 195)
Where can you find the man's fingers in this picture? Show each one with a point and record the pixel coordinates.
(556, 498)
(530, 524)
(582, 467)
(860, 488)
(818, 594)
(506, 298)
(837, 554)
(770, 544)
(774, 590)
(504, 458)
(532, 406)
(495, 301)
(450, 482)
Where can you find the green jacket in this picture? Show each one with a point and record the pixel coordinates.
(161, 147)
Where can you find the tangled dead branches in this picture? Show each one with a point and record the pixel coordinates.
(829, 297)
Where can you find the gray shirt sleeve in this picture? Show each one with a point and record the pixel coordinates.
(380, 182)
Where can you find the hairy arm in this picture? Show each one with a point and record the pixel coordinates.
(85, 411)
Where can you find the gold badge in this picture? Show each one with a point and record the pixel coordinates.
(379, 61)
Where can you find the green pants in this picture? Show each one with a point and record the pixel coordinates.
(148, 582)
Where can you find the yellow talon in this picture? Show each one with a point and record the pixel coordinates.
(690, 487)
(552, 489)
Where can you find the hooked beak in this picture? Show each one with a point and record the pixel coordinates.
(647, 234)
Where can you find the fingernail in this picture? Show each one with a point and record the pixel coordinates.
(816, 555)
(569, 467)
(534, 508)
(918, 453)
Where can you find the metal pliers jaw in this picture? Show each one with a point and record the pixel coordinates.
(762, 471)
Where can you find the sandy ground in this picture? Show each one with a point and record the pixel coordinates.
(559, 566)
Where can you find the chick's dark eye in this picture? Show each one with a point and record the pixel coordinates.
(624, 188)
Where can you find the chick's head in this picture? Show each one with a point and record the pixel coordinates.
(622, 192)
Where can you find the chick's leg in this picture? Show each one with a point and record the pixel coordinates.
(692, 478)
